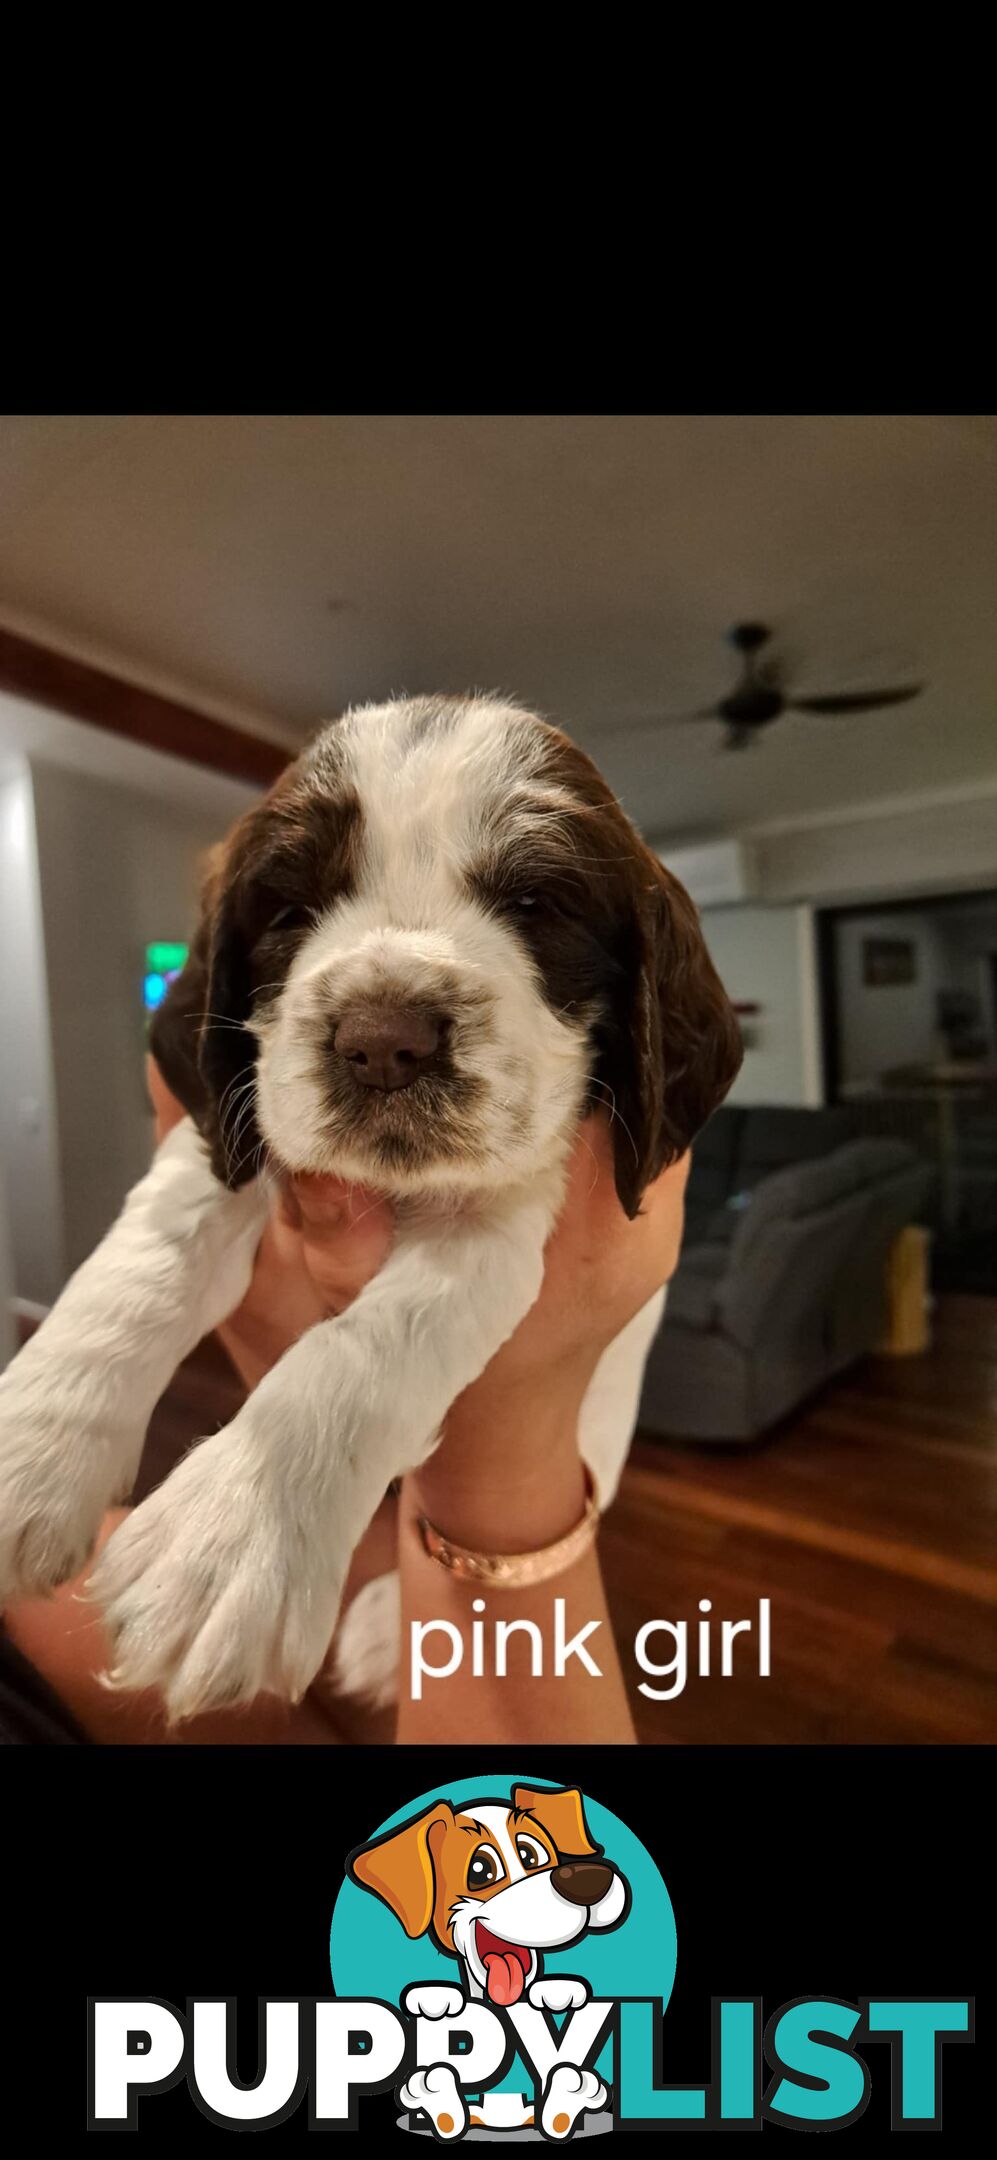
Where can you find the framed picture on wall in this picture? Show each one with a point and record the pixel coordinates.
(886, 961)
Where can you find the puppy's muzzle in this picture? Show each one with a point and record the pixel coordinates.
(389, 1047)
(582, 1882)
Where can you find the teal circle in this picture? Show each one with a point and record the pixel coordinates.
(371, 1955)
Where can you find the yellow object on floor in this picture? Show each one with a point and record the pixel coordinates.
(908, 1299)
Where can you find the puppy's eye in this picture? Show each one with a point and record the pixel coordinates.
(290, 918)
(485, 1868)
(543, 904)
(530, 1853)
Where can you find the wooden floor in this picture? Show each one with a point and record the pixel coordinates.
(869, 1520)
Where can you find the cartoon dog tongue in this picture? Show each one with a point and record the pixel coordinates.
(506, 1977)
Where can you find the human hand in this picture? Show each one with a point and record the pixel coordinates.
(507, 1476)
(324, 1241)
(510, 1443)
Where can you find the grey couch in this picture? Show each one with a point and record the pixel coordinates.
(781, 1282)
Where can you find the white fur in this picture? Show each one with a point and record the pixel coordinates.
(227, 1579)
(75, 1402)
(428, 815)
(366, 1656)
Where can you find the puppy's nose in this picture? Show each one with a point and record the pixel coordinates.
(582, 1882)
(388, 1049)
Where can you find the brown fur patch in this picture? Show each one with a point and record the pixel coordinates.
(617, 939)
(285, 860)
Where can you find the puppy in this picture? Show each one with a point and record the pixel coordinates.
(429, 950)
(491, 1885)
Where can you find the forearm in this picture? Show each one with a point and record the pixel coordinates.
(175, 1261)
(495, 1514)
(75, 1403)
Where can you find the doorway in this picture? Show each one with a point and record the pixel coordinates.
(909, 997)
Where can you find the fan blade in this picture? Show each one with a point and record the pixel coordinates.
(855, 700)
(625, 724)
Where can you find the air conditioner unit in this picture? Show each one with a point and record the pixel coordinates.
(716, 873)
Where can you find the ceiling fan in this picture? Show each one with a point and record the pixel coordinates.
(759, 697)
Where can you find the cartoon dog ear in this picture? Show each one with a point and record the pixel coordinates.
(198, 1035)
(399, 1868)
(561, 1814)
(676, 1046)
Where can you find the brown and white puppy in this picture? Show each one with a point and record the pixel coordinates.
(432, 947)
(495, 1885)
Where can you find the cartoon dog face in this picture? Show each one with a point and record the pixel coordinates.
(496, 1885)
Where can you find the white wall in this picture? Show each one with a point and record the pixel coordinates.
(29, 1159)
(942, 843)
(889, 1024)
(764, 956)
(8, 1331)
(900, 848)
(117, 869)
(100, 841)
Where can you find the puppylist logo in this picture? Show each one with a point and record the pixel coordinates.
(502, 1960)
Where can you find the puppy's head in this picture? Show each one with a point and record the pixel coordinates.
(436, 943)
(496, 1885)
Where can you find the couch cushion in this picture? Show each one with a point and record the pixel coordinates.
(779, 1278)
(808, 1187)
(694, 1288)
(698, 1223)
(720, 1223)
(774, 1136)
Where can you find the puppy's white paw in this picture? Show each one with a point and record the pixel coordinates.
(437, 2092)
(214, 1591)
(366, 1655)
(569, 2093)
(433, 1999)
(59, 1471)
(558, 1991)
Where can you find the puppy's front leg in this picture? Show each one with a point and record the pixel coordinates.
(75, 1402)
(227, 1580)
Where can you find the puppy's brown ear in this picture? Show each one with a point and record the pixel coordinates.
(198, 1035)
(677, 1045)
(561, 1814)
(399, 1868)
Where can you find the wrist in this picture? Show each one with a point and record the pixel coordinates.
(497, 1500)
(250, 1353)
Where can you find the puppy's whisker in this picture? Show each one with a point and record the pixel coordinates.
(235, 1093)
(242, 1121)
(218, 1020)
(615, 1116)
(580, 1137)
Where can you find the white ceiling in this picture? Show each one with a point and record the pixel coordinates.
(276, 568)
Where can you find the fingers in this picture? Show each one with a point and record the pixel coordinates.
(167, 1110)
